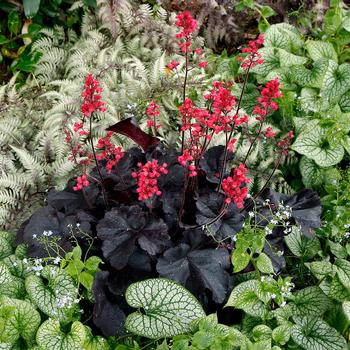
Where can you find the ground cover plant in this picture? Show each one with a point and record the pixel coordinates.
(173, 233)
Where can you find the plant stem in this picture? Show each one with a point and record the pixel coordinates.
(96, 162)
(183, 98)
(252, 143)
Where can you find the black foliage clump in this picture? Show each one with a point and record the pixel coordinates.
(168, 237)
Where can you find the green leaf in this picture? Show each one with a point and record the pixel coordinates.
(240, 260)
(244, 297)
(311, 301)
(314, 334)
(343, 270)
(51, 337)
(281, 334)
(90, 3)
(86, 279)
(302, 246)
(311, 173)
(261, 332)
(5, 247)
(346, 309)
(338, 291)
(48, 297)
(320, 269)
(338, 250)
(311, 101)
(346, 144)
(168, 308)
(271, 61)
(92, 263)
(3, 40)
(336, 81)
(24, 318)
(94, 343)
(31, 7)
(288, 59)
(267, 11)
(10, 285)
(14, 22)
(283, 36)
(311, 77)
(315, 145)
(321, 49)
(332, 21)
(264, 264)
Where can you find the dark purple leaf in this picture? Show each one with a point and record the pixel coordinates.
(204, 269)
(122, 227)
(209, 207)
(305, 205)
(128, 127)
(212, 162)
(107, 315)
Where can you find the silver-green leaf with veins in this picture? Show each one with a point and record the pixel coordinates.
(168, 308)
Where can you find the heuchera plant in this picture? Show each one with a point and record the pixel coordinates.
(169, 212)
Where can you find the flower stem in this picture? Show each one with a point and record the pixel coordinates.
(184, 97)
(96, 162)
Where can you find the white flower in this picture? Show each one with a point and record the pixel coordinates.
(14, 263)
(283, 304)
(49, 233)
(37, 268)
(78, 224)
(251, 214)
(274, 222)
(25, 261)
(262, 279)
(35, 236)
(273, 296)
(57, 260)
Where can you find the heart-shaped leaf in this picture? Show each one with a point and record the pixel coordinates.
(168, 308)
(50, 336)
(56, 298)
(197, 269)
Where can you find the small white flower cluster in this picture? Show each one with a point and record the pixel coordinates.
(283, 212)
(37, 266)
(347, 233)
(286, 289)
(266, 278)
(45, 234)
(66, 301)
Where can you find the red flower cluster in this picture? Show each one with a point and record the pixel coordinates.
(187, 158)
(268, 93)
(82, 181)
(188, 24)
(147, 177)
(285, 143)
(92, 97)
(269, 133)
(111, 153)
(232, 186)
(153, 110)
(173, 64)
(254, 57)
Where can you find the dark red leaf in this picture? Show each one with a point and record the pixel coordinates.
(128, 128)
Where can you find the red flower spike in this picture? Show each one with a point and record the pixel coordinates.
(111, 153)
(188, 24)
(92, 97)
(147, 175)
(232, 186)
(82, 182)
